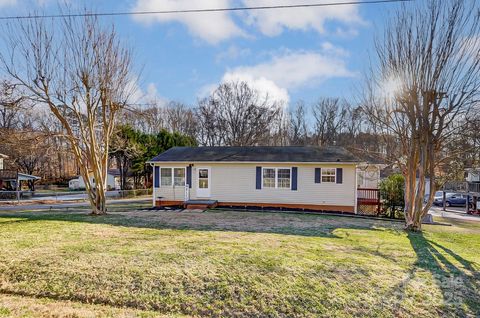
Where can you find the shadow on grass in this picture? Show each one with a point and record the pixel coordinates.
(236, 221)
(459, 285)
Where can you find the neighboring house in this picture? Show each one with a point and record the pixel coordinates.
(113, 181)
(369, 170)
(2, 156)
(368, 175)
(472, 174)
(12, 180)
(278, 177)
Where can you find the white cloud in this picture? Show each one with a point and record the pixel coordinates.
(294, 69)
(265, 87)
(273, 22)
(212, 27)
(6, 3)
(142, 96)
(289, 70)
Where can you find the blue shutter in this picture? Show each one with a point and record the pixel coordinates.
(318, 174)
(189, 176)
(339, 175)
(259, 178)
(294, 178)
(156, 176)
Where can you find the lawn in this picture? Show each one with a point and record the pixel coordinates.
(225, 263)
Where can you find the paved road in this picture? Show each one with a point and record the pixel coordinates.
(68, 205)
(454, 213)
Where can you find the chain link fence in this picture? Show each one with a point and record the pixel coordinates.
(13, 197)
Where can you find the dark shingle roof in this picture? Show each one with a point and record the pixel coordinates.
(256, 154)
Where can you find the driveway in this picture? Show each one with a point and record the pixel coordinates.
(453, 213)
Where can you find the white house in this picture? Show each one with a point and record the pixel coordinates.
(368, 175)
(472, 174)
(2, 156)
(113, 181)
(278, 177)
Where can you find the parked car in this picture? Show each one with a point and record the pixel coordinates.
(451, 199)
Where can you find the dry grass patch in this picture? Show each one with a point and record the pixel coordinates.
(225, 263)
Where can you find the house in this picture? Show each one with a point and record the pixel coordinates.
(2, 156)
(113, 181)
(370, 168)
(368, 175)
(276, 177)
(12, 180)
(472, 174)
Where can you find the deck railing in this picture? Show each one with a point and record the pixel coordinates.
(368, 201)
(365, 194)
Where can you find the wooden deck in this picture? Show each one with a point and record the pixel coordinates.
(368, 201)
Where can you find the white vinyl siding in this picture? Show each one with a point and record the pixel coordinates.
(236, 182)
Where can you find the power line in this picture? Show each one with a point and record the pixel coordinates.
(100, 14)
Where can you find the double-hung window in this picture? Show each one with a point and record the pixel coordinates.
(269, 177)
(276, 178)
(179, 176)
(283, 178)
(172, 177)
(329, 175)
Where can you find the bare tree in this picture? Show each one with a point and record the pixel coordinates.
(81, 72)
(11, 106)
(329, 115)
(426, 81)
(280, 129)
(181, 119)
(298, 125)
(236, 115)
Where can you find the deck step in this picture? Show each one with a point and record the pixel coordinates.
(200, 204)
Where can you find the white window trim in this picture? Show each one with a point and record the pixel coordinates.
(276, 177)
(329, 175)
(173, 176)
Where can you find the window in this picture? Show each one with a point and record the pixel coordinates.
(328, 175)
(283, 178)
(276, 178)
(203, 178)
(179, 176)
(165, 177)
(172, 177)
(269, 178)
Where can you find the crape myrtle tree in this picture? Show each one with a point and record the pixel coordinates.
(425, 83)
(80, 71)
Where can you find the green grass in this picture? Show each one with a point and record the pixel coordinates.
(221, 263)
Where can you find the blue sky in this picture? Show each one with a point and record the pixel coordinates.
(292, 54)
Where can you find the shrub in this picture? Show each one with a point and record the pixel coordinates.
(392, 193)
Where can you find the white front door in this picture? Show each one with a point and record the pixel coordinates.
(203, 182)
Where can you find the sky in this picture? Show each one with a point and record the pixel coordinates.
(291, 54)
